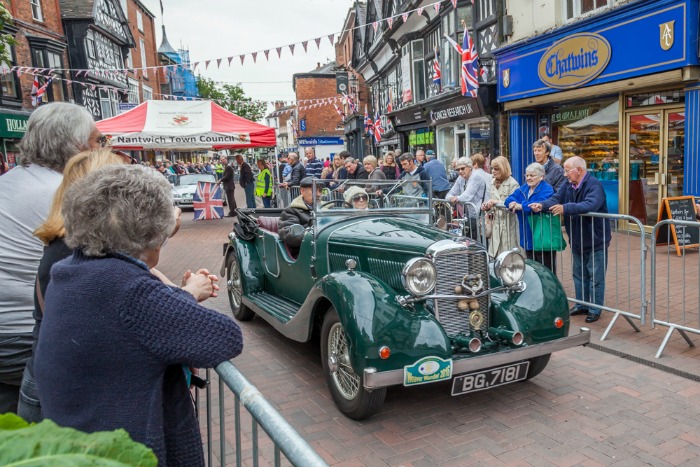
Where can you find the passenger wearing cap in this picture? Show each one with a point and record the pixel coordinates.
(437, 173)
(298, 213)
(357, 196)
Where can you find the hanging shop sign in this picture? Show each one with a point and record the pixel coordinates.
(409, 117)
(459, 108)
(13, 126)
(635, 39)
(574, 61)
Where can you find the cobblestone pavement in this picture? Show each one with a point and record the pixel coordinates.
(589, 407)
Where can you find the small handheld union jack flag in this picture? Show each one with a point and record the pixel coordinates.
(207, 202)
(437, 74)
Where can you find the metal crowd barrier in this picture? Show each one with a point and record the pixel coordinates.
(676, 293)
(625, 295)
(260, 413)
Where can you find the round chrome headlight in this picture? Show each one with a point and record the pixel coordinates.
(510, 267)
(419, 276)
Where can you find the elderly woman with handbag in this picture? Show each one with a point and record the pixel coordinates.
(501, 225)
(540, 235)
(114, 337)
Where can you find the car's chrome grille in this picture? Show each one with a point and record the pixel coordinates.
(451, 269)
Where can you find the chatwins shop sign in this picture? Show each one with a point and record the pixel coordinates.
(574, 61)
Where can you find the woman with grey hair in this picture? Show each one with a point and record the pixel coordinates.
(55, 133)
(535, 190)
(114, 337)
(375, 173)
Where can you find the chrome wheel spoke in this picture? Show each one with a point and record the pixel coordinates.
(345, 378)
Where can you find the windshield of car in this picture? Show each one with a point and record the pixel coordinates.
(358, 198)
(192, 179)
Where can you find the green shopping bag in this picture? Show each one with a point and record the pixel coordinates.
(546, 232)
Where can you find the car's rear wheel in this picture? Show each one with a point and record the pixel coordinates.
(537, 365)
(346, 386)
(234, 287)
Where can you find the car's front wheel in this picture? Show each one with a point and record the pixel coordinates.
(346, 386)
(537, 365)
(234, 287)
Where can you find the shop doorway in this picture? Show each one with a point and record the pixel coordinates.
(655, 145)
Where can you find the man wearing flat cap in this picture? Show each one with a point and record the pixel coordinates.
(298, 213)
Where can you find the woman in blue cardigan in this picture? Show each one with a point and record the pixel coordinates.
(534, 190)
(115, 338)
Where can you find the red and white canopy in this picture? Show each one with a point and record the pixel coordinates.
(186, 125)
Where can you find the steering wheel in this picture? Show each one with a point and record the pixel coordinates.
(337, 202)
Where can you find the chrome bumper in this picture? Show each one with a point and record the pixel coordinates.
(375, 379)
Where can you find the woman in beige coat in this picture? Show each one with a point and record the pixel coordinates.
(503, 223)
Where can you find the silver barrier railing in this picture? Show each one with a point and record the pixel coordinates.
(626, 295)
(674, 296)
(284, 438)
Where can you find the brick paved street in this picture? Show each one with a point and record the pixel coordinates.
(588, 407)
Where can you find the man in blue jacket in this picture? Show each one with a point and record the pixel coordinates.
(589, 237)
(436, 171)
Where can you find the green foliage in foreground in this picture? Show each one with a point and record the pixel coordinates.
(45, 443)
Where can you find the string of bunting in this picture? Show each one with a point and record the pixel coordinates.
(108, 72)
(302, 104)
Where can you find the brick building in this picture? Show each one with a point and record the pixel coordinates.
(283, 120)
(143, 84)
(351, 36)
(41, 44)
(320, 126)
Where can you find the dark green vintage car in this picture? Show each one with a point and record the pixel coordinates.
(396, 300)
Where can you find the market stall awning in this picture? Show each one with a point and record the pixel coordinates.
(186, 125)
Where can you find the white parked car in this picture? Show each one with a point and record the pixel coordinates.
(184, 187)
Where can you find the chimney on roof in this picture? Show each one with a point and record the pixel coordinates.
(318, 64)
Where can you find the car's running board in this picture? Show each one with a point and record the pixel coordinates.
(267, 303)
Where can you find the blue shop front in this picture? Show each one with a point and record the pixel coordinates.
(620, 89)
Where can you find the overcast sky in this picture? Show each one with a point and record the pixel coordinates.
(218, 29)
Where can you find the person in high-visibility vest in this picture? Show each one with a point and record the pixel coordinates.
(263, 186)
(219, 170)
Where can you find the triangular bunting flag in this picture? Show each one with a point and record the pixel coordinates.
(437, 7)
(229, 60)
(304, 44)
(390, 21)
(404, 17)
(267, 55)
(255, 57)
(419, 10)
(291, 48)
(194, 66)
(218, 62)
(454, 3)
(242, 57)
(206, 64)
(375, 25)
(318, 42)
(279, 52)
(331, 37)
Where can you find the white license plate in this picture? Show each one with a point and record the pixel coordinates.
(487, 379)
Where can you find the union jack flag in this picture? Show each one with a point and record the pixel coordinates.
(207, 202)
(351, 103)
(437, 74)
(469, 79)
(369, 124)
(378, 130)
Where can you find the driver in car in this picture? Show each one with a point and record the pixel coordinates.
(298, 213)
(357, 196)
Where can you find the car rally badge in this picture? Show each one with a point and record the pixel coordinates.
(427, 370)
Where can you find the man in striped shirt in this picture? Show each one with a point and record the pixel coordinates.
(314, 167)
